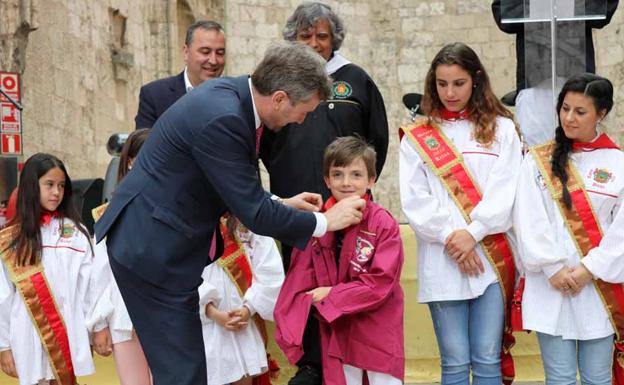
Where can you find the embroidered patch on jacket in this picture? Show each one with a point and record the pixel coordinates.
(342, 90)
(602, 175)
(67, 231)
(363, 250)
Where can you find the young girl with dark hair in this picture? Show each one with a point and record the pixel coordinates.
(109, 313)
(130, 151)
(237, 296)
(458, 174)
(570, 224)
(44, 285)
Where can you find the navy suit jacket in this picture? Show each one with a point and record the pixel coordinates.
(156, 97)
(198, 161)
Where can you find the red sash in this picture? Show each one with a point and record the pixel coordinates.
(447, 163)
(585, 230)
(31, 283)
(236, 264)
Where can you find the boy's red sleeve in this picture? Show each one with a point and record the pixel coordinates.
(370, 289)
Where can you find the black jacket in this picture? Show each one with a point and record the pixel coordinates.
(294, 156)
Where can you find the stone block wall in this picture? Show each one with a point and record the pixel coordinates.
(84, 62)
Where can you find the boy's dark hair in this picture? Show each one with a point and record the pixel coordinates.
(28, 239)
(344, 150)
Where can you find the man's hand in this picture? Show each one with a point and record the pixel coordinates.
(305, 201)
(563, 281)
(8, 364)
(319, 293)
(345, 213)
(103, 342)
(471, 264)
(459, 243)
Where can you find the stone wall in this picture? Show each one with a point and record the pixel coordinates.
(83, 62)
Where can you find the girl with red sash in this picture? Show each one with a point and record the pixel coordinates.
(570, 224)
(238, 293)
(109, 313)
(44, 284)
(464, 287)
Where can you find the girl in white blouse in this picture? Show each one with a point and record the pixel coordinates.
(45, 235)
(456, 279)
(233, 337)
(560, 300)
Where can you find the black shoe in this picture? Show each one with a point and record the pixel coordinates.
(307, 375)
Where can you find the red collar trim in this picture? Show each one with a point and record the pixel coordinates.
(46, 217)
(603, 141)
(332, 201)
(452, 115)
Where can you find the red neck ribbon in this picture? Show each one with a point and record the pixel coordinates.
(603, 141)
(46, 217)
(332, 201)
(453, 115)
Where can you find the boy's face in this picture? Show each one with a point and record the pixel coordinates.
(350, 180)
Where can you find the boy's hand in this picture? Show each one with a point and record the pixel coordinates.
(8, 364)
(345, 213)
(305, 201)
(319, 293)
(103, 342)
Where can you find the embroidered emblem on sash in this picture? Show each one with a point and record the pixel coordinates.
(342, 90)
(432, 143)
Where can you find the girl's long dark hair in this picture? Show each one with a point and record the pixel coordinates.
(27, 241)
(130, 150)
(483, 106)
(600, 90)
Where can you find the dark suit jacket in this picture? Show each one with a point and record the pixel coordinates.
(198, 161)
(155, 97)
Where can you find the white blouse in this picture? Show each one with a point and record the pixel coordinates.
(546, 246)
(433, 214)
(109, 309)
(231, 355)
(67, 262)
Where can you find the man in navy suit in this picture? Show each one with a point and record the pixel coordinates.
(198, 162)
(204, 55)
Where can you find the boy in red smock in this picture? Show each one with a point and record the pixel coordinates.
(349, 280)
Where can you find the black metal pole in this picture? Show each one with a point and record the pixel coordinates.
(10, 99)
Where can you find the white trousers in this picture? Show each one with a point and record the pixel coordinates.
(354, 377)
